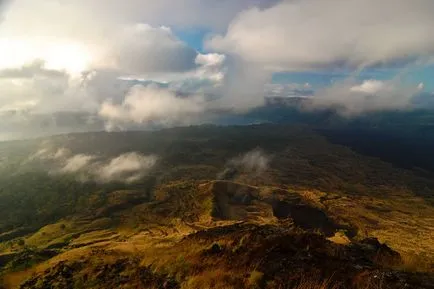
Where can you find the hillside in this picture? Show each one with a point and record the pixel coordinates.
(264, 206)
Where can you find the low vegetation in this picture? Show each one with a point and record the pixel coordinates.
(311, 215)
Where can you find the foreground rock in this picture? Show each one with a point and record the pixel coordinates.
(238, 256)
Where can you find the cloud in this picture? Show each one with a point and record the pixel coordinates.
(211, 66)
(288, 90)
(255, 161)
(370, 86)
(94, 67)
(326, 35)
(351, 98)
(111, 27)
(48, 152)
(3, 6)
(128, 168)
(33, 88)
(242, 87)
(316, 34)
(142, 49)
(107, 38)
(37, 90)
(34, 97)
(19, 124)
(210, 60)
(76, 163)
(185, 14)
(33, 69)
(145, 104)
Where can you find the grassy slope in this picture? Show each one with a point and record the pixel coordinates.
(366, 195)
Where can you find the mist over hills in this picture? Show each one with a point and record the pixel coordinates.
(197, 189)
(195, 144)
(275, 109)
(254, 187)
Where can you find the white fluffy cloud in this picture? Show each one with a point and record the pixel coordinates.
(205, 14)
(211, 66)
(254, 161)
(145, 50)
(53, 39)
(56, 28)
(33, 96)
(351, 98)
(76, 163)
(40, 90)
(316, 34)
(93, 56)
(322, 35)
(128, 167)
(47, 152)
(144, 104)
(85, 56)
(29, 70)
(370, 86)
(243, 86)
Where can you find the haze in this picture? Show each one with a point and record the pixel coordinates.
(118, 65)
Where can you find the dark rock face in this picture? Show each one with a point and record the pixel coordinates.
(24, 259)
(379, 252)
(6, 236)
(6, 258)
(305, 216)
(215, 249)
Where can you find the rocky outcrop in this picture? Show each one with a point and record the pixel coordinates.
(234, 201)
(287, 255)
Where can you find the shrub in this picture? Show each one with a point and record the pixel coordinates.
(255, 279)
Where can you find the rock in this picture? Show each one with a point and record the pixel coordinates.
(216, 249)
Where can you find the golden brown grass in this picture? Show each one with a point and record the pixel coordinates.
(340, 238)
(14, 279)
(307, 282)
(316, 284)
(404, 222)
(216, 279)
(416, 263)
(255, 279)
(313, 282)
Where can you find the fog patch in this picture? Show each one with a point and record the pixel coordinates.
(77, 163)
(252, 163)
(50, 153)
(350, 98)
(128, 167)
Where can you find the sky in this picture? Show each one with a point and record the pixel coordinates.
(116, 65)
